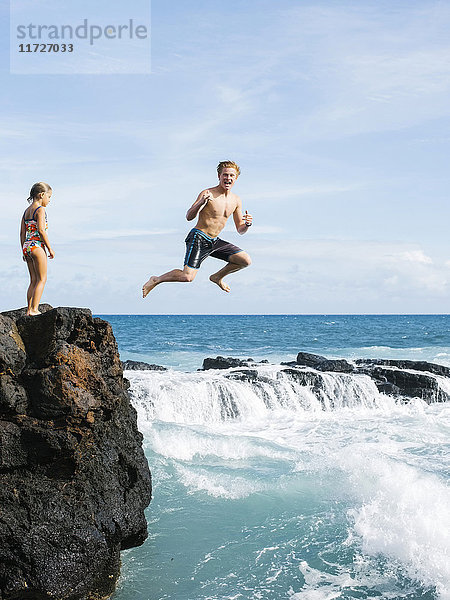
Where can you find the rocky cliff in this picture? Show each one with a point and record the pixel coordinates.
(74, 481)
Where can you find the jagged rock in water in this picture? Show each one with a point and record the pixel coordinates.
(243, 375)
(320, 363)
(396, 382)
(416, 365)
(74, 481)
(136, 365)
(388, 375)
(221, 362)
(391, 381)
(306, 378)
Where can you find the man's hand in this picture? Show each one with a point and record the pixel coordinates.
(248, 219)
(202, 200)
(206, 196)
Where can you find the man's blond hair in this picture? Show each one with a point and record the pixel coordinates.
(228, 164)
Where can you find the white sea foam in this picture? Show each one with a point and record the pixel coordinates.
(211, 397)
(219, 485)
(320, 585)
(404, 515)
(197, 443)
(343, 442)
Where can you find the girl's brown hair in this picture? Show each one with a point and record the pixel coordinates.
(37, 189)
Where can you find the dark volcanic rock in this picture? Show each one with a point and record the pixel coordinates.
(320, 363)
(243, 375)
(396, 382)
(416, 365)
(392, 377)
(74, 481)
(135, 365)
(221, 362)
(21, 312)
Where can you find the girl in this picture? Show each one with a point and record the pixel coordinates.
(34, 241)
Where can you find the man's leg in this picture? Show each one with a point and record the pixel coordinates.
(187, 274)
(236, 262)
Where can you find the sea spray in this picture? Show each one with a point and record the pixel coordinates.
(216, 396)
(407, 520)
(281, 490)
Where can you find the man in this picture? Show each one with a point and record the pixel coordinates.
(213, 207)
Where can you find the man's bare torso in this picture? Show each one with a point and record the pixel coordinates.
(213, 217)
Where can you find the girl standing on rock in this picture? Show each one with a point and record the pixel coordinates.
(34, 242)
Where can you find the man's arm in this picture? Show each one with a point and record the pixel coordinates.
(242, 222)
(202, 200)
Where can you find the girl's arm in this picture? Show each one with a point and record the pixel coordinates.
(22, 232)
(42, 232)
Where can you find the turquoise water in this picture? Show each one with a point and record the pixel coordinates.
(289, 499)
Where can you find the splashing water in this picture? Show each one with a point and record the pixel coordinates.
(269, 488)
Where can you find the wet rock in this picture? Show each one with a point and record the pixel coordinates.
(396, 382)
(320, 363)
(416, 365)
(74, 481)
(136, 365)
(306, 378)
(243, 375)
(221, 362)
(391, 377)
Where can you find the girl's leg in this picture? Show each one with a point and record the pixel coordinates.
(33, 281)
(39, 259)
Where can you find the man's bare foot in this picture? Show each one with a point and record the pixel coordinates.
(220, 282)
(147, 287)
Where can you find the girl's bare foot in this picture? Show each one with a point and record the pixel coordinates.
(147, 287)
(220, 282)
(33, 313)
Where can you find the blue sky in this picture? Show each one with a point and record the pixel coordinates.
(338, 114)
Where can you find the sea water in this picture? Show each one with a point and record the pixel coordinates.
(276, 491)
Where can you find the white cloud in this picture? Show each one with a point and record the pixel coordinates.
(416, 256)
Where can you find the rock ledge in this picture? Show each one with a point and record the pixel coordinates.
(74, 481)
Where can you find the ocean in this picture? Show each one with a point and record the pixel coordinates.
(278, 491)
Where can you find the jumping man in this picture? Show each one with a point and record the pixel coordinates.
(213, 206)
